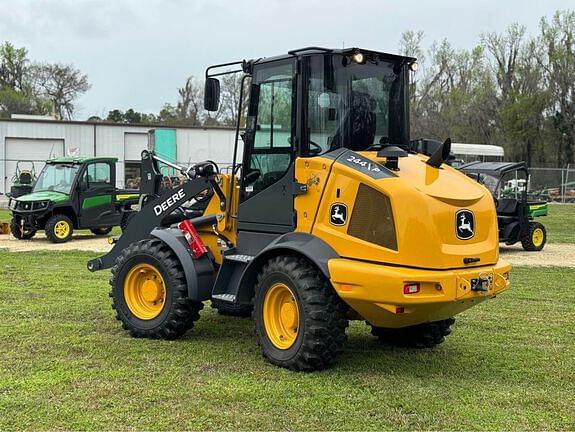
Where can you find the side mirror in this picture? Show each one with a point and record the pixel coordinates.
(212, 94)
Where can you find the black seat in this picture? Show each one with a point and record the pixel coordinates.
(360, 118)
(507, 207)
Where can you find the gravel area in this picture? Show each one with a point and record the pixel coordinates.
(84, 242)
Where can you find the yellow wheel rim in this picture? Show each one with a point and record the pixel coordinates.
(538, 237)
(281, 316)
(145, 291)
(62, 229)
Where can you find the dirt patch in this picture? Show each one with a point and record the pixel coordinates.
(553, 254)
(84, 242)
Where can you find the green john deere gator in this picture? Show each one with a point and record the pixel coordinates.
(72, 193)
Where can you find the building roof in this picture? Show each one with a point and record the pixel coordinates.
(81, 159)
(109, 123)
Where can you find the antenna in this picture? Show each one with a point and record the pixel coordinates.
(51, 151)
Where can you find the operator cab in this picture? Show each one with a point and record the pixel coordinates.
(310, 102)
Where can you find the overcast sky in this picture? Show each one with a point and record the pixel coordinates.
(137, 52)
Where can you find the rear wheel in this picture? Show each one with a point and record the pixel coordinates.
(418, 336)
(225, 308)
(101, 231)
(300, 321)
(19, 233)
(59, 229)
(535, 237)
(149, 292)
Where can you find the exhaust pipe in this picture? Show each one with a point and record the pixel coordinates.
(440, 155)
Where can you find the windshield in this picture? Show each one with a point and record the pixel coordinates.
(355, 105)
(56, 177)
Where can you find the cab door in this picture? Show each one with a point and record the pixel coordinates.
(267, 185)
(96, 189)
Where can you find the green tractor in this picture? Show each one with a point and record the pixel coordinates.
(72, 193)
(516, 208)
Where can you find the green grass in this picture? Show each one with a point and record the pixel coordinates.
(66, 364)
(560, 223)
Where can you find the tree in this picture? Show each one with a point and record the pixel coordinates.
(557, 57)
(62, 84)
(18, 93)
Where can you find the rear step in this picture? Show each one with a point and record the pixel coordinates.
(229, 298)
(239, 258)
(227, 282)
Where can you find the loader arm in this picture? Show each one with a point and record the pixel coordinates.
(151, 216)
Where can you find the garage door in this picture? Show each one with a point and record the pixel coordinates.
(37, 150)
(134, 143)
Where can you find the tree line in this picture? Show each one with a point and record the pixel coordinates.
(511, 89)
(28, 87)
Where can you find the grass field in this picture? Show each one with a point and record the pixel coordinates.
(560, 223)
(66, 364)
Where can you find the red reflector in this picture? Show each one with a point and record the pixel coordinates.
(411, 288)
(399, 310)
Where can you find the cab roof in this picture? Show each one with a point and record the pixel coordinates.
(81, 159)
(493, 168)
(314, 50)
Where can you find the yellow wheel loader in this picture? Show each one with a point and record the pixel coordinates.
(326, 216)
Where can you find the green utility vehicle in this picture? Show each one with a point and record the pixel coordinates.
(516, 208)
(72, 193)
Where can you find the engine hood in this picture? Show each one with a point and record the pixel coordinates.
(441, 218)
(53, 196)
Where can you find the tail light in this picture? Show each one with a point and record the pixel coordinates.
(411, 288)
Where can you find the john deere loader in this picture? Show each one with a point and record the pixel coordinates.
(325, 217)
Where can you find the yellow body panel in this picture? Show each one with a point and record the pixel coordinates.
(226, 224)
(375, 291)
(425, 224)
(424, 201)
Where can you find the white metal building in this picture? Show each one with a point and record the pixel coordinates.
(39, 140)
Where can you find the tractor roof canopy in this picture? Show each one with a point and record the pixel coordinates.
(494, 169)
(81, 160)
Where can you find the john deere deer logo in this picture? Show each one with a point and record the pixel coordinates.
(464, 224)
(338, 214)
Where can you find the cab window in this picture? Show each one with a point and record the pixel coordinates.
(98, 175)
(271, 122)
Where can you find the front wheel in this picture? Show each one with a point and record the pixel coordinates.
(300, 320)
(101, 231)
(59, 229)
(19, 233)
(425, 335)
(534, 238)
(149, 292)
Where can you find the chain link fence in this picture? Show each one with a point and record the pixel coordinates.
(553, 184)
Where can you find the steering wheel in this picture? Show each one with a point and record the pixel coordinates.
(317, 149)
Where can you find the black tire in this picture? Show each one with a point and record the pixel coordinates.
(418, 336)
(530, 240)
(178, 313)
(227, 309)
(17, 232)
(101, 231)
(322, 322)
(126, 218)
(51, 230)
